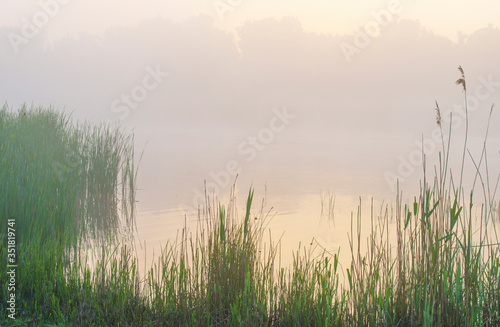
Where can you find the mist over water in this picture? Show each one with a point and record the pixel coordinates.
(282, 108)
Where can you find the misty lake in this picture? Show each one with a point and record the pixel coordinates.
(331, 114)
(310, 183)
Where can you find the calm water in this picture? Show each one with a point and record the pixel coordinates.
(295, 179)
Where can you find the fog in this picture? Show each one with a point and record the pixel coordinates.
(195, 95)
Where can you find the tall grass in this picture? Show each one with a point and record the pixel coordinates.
(439, 273)
(63, 184)
(228, 274)
(429, 262)
(57, 176)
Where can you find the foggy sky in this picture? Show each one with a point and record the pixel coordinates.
(213, 88)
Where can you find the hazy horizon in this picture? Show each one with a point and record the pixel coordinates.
(197, 89)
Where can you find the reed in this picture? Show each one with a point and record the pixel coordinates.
(439, 273)
(57, 176)
(64, 185)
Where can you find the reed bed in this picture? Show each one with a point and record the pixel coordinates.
(64, 185)
(429, 262)
(57, 176)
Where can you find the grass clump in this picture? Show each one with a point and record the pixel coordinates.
(59, 177)
(226, 274)
(62, 185)
(443, 269)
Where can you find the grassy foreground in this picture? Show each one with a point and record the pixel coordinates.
(444, 269)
